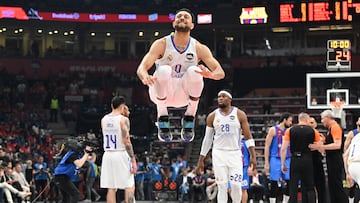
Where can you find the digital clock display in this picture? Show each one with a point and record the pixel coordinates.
(339, 44)
(338, 54)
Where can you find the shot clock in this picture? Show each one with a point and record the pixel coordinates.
(338, 54)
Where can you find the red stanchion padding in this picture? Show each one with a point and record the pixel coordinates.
(173, 186)
(158, 185)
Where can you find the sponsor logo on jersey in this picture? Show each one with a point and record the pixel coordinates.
(170, 57)
(232, 117)
(189, 56)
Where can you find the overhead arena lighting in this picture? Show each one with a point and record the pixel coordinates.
(282, 29)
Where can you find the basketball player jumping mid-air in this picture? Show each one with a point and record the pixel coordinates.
(178, 78)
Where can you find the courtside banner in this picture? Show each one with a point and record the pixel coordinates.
(13, 12)
(106, 17)
(20, 14)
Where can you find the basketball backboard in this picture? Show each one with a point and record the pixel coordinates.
(325, 88)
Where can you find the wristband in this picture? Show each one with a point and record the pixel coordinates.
(250, 143)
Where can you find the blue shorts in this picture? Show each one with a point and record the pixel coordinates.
(275, 169)
(245, 183)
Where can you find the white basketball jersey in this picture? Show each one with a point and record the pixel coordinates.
(227, 130)
(354, 151)
(177, 59)
(112, 133)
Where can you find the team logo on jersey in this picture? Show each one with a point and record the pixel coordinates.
(109, 125)
(170, 57)
(189, 56)
(232, 117)
(280, 132)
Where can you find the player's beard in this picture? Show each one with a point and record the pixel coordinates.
(222, 105)
(182, 29)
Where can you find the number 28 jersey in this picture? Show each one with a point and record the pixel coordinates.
(227, 130)
(112, 136)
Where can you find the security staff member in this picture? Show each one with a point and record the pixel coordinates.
(334, 161)
(66, 171)
(301, 167)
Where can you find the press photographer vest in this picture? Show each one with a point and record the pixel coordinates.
(68, 169)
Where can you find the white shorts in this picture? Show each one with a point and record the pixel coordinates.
(175, 96)
(179, 89)
(227, 166)
(354, 171)
(116, 170)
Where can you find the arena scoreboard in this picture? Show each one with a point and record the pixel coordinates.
(320, 11)
(338, 54)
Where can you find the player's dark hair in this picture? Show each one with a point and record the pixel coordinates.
(188, 11)
(117, 101)
(285, 116)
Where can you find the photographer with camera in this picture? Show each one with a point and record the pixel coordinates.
(71, 162)
(41, 177)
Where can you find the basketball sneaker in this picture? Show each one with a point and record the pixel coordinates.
(164, 133)
(187, 131)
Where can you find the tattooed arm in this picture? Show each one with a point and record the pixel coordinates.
(125, 132)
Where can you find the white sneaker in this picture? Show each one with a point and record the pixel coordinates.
(24, 195)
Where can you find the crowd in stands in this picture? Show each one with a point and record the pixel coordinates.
(25, 138)
(25, 114)
(180, 181)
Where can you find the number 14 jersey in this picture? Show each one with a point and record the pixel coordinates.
(112, 135)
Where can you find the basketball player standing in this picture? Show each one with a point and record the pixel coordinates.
(272, 154)
(223, 135)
